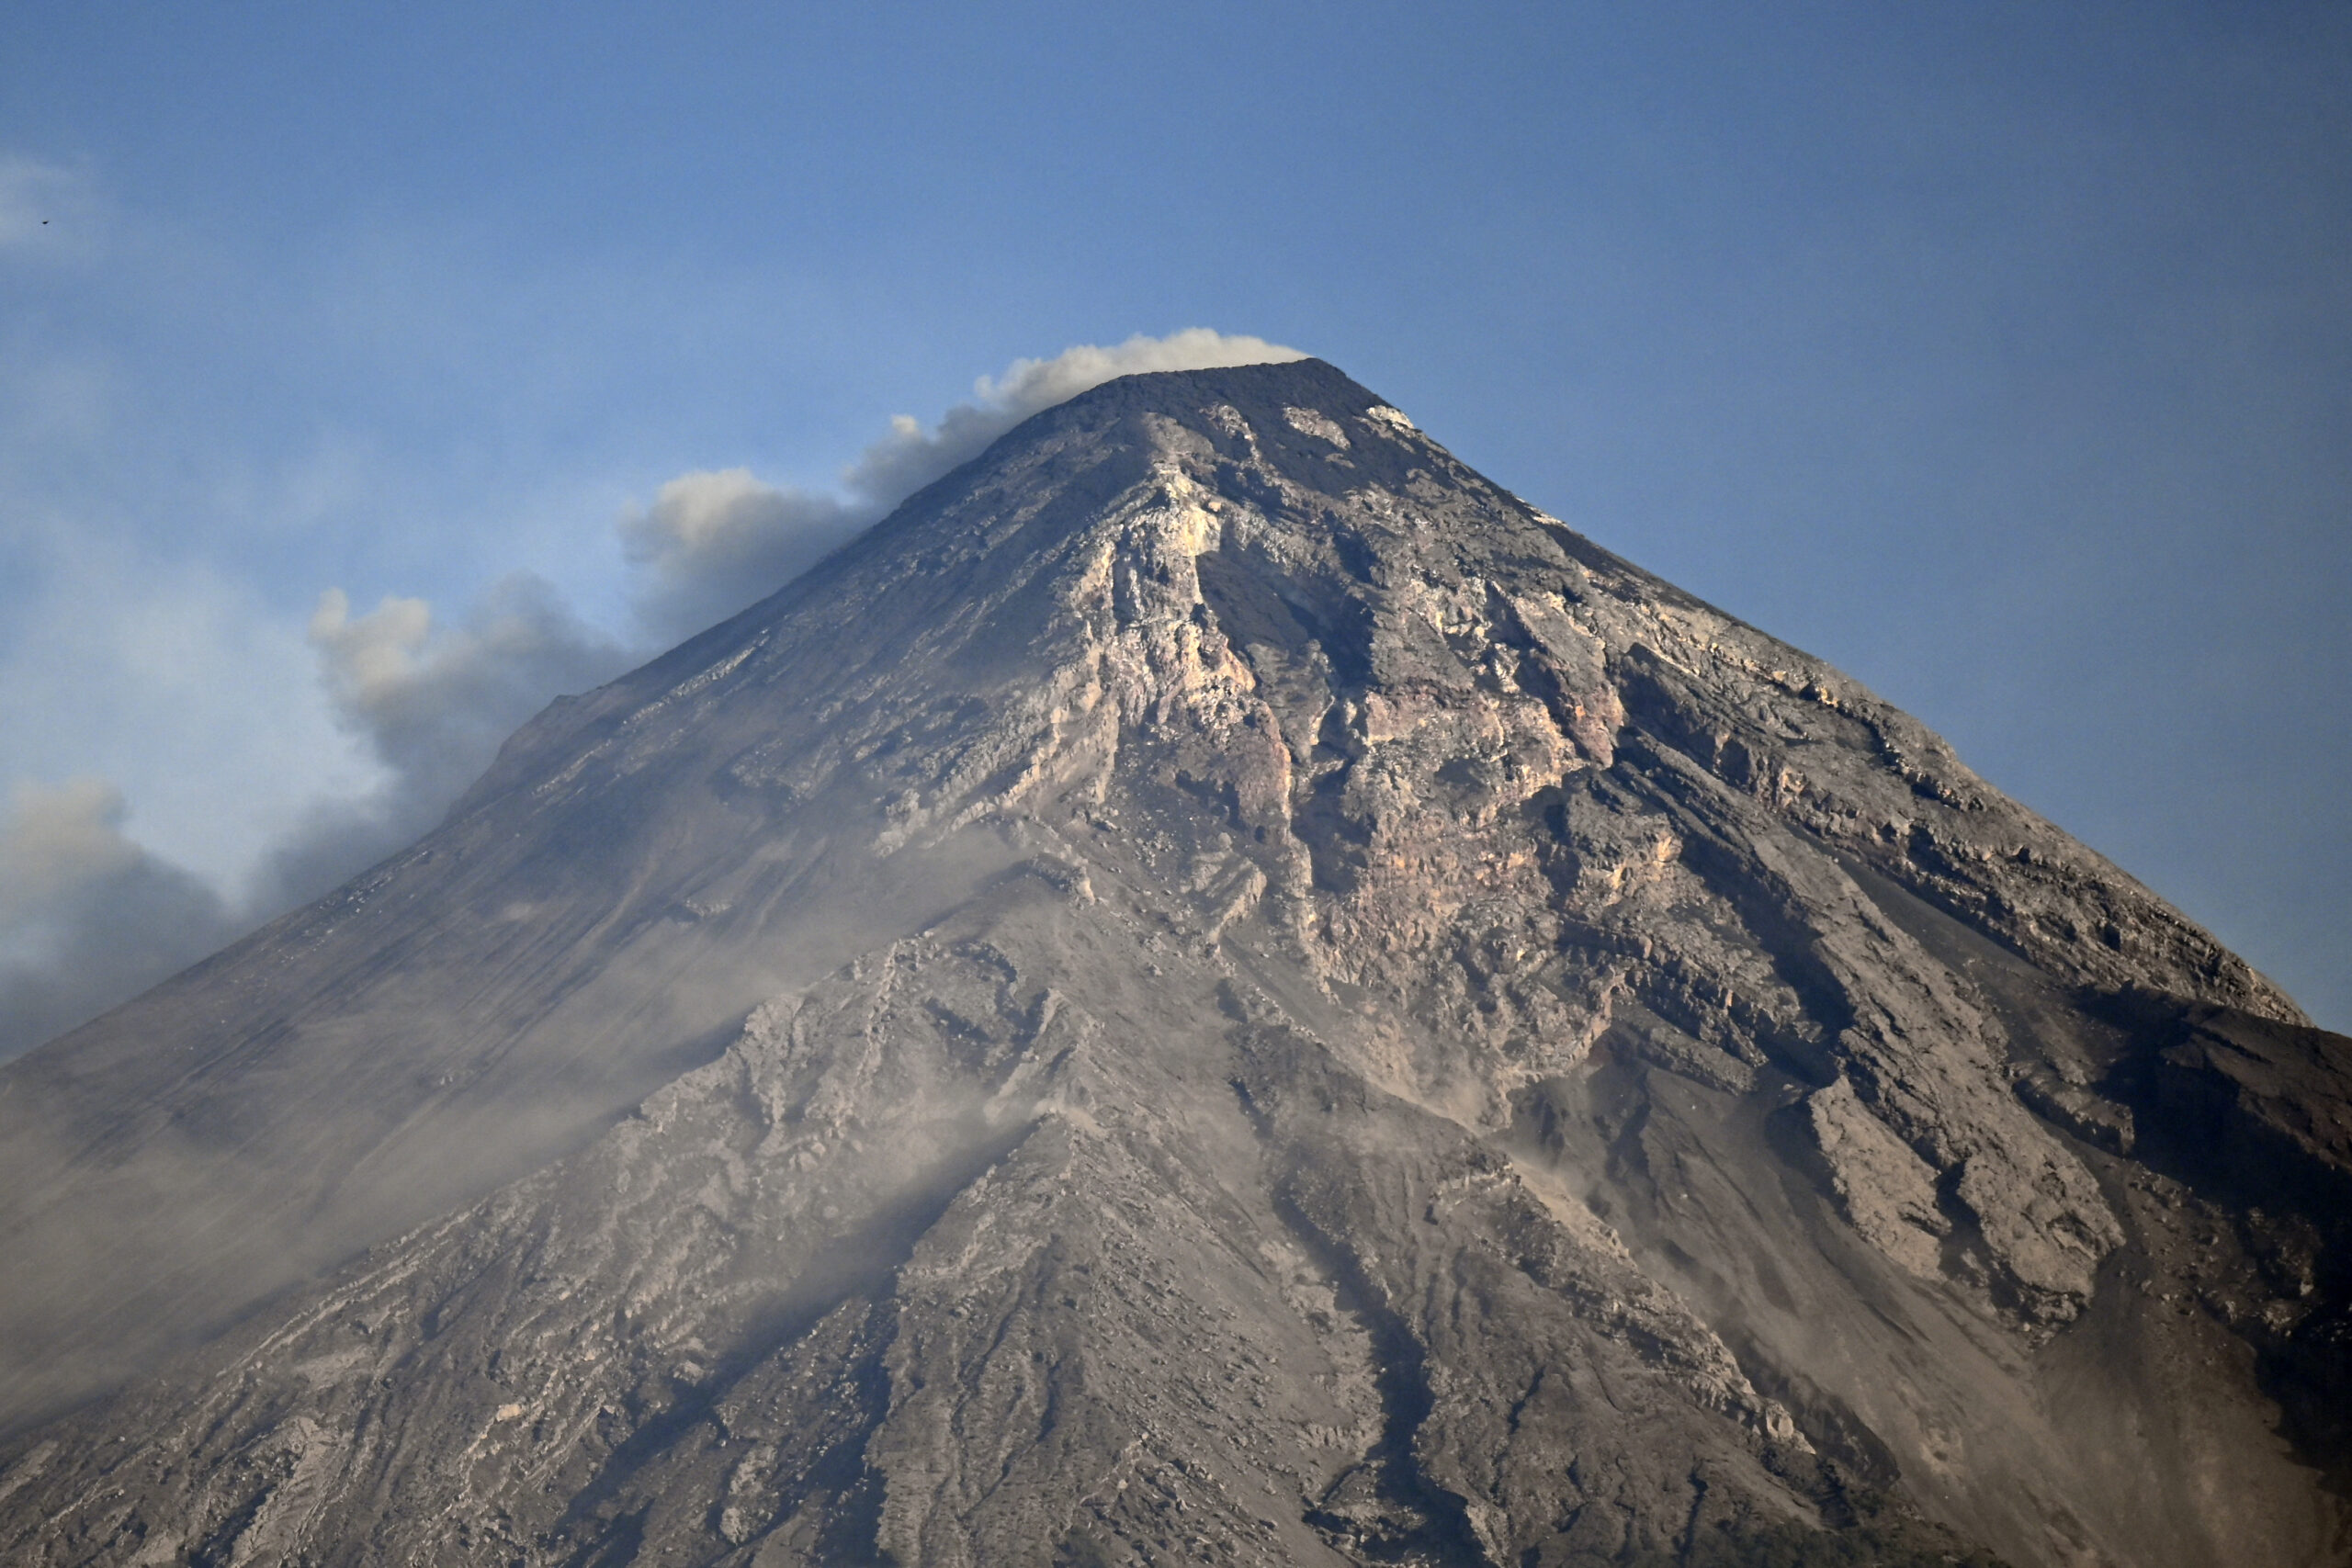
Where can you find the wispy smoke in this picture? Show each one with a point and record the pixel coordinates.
(88, 918)
(433, 704)
(715, 542)
(712, 543)
(911, 456)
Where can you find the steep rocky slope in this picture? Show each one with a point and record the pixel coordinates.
(1216, 989)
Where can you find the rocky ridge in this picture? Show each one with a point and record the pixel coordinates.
(1310, 1014)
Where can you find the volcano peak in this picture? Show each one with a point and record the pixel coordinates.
(1215, 986)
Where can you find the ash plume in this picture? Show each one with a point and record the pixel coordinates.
(432, 704)
(433, 697)
(87, 916)
(715, 541)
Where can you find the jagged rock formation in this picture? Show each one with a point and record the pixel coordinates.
(1217, 988)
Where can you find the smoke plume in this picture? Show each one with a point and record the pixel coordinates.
(911, 456)
(87, 916)
(433, 704)
(713, 543)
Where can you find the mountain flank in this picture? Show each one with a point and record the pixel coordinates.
(1214, 989)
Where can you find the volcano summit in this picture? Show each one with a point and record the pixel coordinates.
(1216, 989)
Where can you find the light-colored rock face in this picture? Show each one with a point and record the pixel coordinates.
(1258, 1000)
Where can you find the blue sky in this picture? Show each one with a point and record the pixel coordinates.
(2001, 354)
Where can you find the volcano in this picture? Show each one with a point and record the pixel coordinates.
(1217, 988)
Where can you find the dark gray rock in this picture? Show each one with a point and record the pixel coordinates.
(1214, 989)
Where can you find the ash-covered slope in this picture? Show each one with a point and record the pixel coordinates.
(1256, 999)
